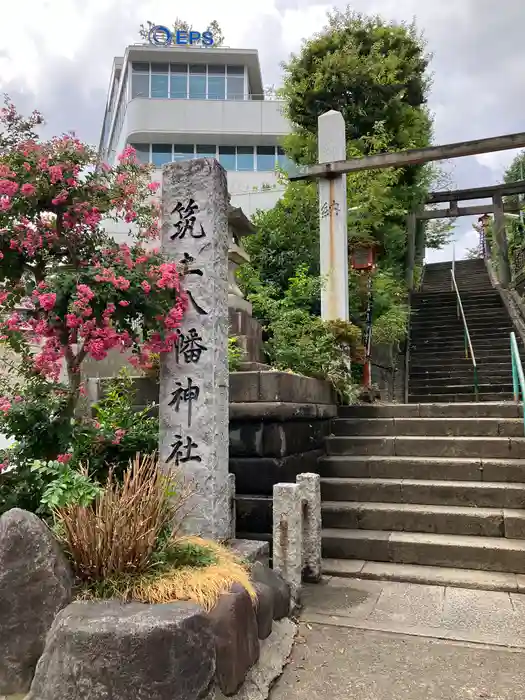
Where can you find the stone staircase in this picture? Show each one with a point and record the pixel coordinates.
(439, 370)
(428, 493)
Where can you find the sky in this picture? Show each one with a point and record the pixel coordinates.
(56, 56)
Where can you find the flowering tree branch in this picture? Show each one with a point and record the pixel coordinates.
(67, 290)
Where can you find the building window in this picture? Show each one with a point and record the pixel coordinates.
(197, 82)
(235, 83)
(216, 83)
(160, 80)
(179, 81)
(140, 80)
(227, 157)
(236, 158)
(265, 158)
(183, 151)
(161, 153)
(142, 149)
(245, 159)
(206, 152)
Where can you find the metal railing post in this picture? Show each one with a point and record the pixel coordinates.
(468, 342)
(518, 379)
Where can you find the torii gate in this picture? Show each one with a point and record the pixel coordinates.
(331, 171)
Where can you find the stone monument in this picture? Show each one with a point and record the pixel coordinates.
(193, 404)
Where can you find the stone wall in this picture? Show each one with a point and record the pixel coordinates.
(388, 371)
(278, 424)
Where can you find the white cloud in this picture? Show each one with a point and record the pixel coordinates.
(56, 55)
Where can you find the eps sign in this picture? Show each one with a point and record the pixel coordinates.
(162, 36)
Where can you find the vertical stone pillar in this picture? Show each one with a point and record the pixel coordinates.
(500, 236)
(193, 403)
(411, 250)
(287, 552)
(310, 489)
(333, 211)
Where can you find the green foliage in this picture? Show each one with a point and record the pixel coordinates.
(300, 341)
(67, 486)
(513, 227)
(234, 354)
(375, 74)
(180, 553)
(287, 237)
(117, 431)
(63, 447)
(369, 70)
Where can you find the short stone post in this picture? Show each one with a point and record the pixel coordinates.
(310, 489)
(233, 505)
(297, 531)
(333, 210)
(193, 403)
(287, 553)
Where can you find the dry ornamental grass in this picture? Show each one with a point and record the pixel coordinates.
(125, 544)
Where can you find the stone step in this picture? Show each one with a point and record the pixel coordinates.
(457, 551)
(423, 360)
(422, 468)
(458, 427)
(417, 383)
(432, 410)
(492, 368)
(456, 388)
(488, 397)
(426, 575)
(412, 446)
(438, 519)
(456, 331)
(445, 384)
(489, 343)
(425, 492)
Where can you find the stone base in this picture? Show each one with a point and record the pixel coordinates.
(252, 551)
(274, 655)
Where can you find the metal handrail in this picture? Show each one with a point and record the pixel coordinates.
(518, 379)
(468, 343)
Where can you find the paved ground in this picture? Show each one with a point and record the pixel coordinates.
(369, 640)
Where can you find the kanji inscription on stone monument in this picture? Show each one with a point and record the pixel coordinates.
(194, 377)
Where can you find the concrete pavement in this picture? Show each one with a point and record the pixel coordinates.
(372, 640)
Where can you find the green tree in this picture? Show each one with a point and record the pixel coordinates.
(514, 227)
(374, 73)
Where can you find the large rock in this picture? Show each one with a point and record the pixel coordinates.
(264, 609)
(127, 651)
(236, 638)
(280, 588)
(35, 584)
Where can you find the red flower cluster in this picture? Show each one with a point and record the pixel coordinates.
(65, 285)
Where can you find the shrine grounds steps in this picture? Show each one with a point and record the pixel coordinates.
(439, 371)
(429, 493)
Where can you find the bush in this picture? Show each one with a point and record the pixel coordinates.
(234, 354)
(57, 460)
(125, 543)
(119, 532)
(300, 341)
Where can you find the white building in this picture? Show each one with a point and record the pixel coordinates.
(176, 102)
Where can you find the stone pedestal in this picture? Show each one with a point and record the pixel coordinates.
(193, 406)
(243, 326)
